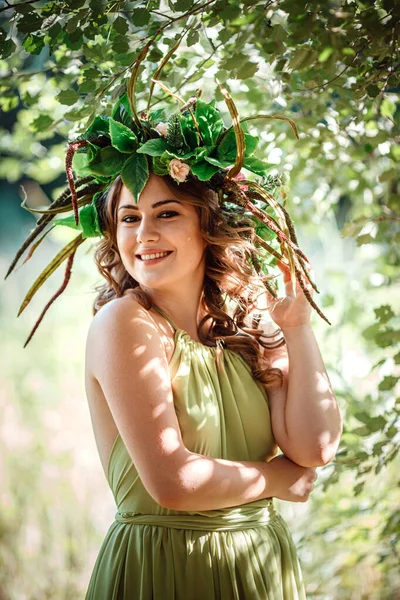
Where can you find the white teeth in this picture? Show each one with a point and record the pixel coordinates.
(152, 256)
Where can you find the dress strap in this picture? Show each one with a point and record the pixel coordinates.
(166, 317)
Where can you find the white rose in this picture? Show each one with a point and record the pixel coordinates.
(162, 128)
(178, 170)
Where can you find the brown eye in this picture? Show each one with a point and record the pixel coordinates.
(125, 219)
(168, 214)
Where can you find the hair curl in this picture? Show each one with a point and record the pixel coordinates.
(231, 274)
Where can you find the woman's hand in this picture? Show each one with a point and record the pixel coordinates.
(293, 482)
(290, 311)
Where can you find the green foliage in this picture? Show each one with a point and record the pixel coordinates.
(332, 69)
(174, 137)
(107, 162)
(122, 137)
(135, 174)
(154, 147)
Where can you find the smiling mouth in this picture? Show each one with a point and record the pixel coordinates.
(154, 256)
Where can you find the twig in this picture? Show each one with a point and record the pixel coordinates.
(16, 5)
(390, 71)
(159, 30)
(189, 76)
(341, 73)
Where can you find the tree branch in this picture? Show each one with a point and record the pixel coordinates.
(188, 78)
(315, 87)
(16, 5)
(159, 30)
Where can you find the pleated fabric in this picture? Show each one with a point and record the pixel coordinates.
(244, 552)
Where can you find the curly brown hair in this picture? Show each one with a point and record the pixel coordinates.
(230, 274)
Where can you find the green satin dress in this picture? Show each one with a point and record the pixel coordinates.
(243, 552)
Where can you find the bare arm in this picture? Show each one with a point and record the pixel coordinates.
(305, 415)
(211, 483)
(312, 415)
(127, 357)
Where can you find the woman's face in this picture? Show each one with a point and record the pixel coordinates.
(159, 239)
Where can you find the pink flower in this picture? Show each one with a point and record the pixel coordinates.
(239, 177)
(162, 128)
(178, 170)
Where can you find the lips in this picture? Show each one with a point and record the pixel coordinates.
(153, 255)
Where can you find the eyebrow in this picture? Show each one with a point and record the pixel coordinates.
(159, 203)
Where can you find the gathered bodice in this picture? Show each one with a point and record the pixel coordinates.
(222, 412)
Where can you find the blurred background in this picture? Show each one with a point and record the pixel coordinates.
(333, 69)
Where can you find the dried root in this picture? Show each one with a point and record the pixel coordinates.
(289, 247)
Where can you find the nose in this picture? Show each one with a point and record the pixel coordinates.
(147, 231)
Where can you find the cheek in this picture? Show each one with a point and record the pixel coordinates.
(124, 238)
(194, 245)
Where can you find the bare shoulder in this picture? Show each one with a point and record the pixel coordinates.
(127, 357)
(119, 310)
(117, 328)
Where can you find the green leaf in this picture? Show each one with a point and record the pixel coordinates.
(226, 149)
(75, 4)
(222, 164)
(358, 488)
(29, 23)
(76, 114)
(387, 108)
(80, 164)
(92, 150)
(203, 170)
(192, 38)
(122, 137)
(87, 85)
(67, 97)
(140, 17)
(120, 25)
(189, 133)
(154, 147)
(29, 100)
(160, 165)
(135, 174)
(387, 383)
(224, 35)
(366, 238)
(247, 70)
(108, 162)
(393, 202)
(325, 54)
(88, 222)
(155, 55)
(41, 123)
(8, 101)
(122, 111)
(257, 166)
(302, 58)
(120, 44)
(33, 44)
(234, 62)
(157, 115)
(210, 122)
(182, 5)
(353, 228)
(377, 423)
(384, 313)
(98, 127)
(7, 48)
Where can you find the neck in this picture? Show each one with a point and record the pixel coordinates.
(182, 305)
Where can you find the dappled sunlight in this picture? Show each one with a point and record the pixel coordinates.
(332, 68)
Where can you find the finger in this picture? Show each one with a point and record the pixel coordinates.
(285, 270)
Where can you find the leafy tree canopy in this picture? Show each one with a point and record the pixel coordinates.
(330, 66)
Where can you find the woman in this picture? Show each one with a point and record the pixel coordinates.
(183, 440)
(190, 394)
